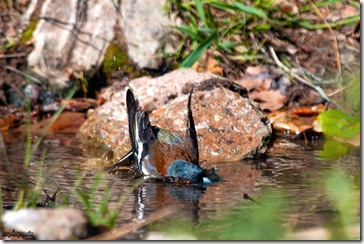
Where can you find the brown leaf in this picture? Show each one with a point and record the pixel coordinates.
(68, 122)
(7, 120)
(295, 121)
(269, 87)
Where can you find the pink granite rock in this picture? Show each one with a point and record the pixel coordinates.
(228, 126)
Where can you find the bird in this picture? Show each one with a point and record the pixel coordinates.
(160, 153)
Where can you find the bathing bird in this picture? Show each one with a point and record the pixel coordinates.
(161, 153)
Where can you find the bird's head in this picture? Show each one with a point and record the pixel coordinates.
(181, 169)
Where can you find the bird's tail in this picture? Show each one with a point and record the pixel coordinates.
(191, 130)
(140, 130)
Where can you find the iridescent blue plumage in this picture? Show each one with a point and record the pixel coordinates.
(184, 170)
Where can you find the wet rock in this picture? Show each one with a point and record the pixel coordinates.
(228, 127)
(48, 224)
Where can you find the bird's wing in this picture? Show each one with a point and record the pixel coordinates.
(124, 161)
(191, 131)
(140, 130)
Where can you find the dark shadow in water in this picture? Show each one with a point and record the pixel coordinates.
(151, 196)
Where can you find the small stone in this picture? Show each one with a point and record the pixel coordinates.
(217, 118)
(48, 223)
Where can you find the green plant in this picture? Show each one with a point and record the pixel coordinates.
(7, 45)
(250, 220)
(344, 196)
(335, 123)
(30, 196)
(225, 25)
(333, 150)
(266, 219)
(352, 96)
(28, 33)
(98, 211)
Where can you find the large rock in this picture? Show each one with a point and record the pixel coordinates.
(72, 36)
(228, 126)
(148, 32)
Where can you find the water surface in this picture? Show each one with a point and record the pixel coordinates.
(291, 166)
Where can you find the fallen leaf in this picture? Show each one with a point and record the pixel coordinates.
(67, 122)
(274, 91)
(8, 120)
(295, 121)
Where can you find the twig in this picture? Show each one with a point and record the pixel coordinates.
(17, 89)
(341, 88)
(287, 70)
(123, 230)
(27, 76)
(336, 46)
(13, 55)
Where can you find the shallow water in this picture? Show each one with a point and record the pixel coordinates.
(291, 166)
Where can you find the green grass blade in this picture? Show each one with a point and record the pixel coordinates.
(355, 3)
(319, 4)
(227, 45)
(39, 185)
(7, 45)
(189, 31)
(206, 30)
(192, 19)
(223, 6)
(261, 27)
(347, 21)
(201, 13)
(54, 118)
(28, 143)
(251, 10)
(197, 53)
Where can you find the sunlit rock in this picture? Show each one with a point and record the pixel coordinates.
(148, 32)
(71, 37)
(228, 126)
